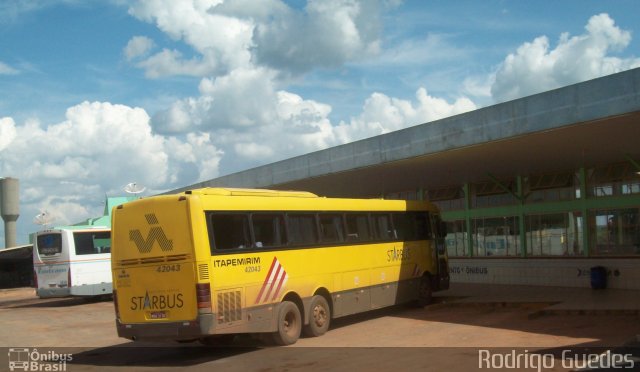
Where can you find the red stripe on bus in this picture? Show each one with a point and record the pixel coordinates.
(264, 285)
(266, 297)
(282, 279)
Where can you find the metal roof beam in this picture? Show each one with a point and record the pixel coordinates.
(503, 186)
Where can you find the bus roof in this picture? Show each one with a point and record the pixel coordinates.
(75, 228)
(250, 192)
(259, 199)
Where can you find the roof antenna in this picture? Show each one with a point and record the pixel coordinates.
(134, 188)
(43, 218)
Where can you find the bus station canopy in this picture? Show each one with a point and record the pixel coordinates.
(588, 124)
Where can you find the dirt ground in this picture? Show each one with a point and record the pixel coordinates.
(446, 335)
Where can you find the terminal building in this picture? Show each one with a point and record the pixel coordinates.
(535, 191)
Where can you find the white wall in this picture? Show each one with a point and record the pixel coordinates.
(623, 273)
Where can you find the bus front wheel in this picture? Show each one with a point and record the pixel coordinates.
(289, 324)
(319, 317)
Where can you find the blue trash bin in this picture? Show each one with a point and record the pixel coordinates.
(598, 277)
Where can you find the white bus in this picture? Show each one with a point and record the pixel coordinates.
(72, 261)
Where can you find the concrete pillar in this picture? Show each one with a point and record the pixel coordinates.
(9, 209)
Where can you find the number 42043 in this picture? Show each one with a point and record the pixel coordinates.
(168, 268)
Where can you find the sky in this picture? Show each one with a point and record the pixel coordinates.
(98, 94)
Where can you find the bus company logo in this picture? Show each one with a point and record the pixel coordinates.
(273, 283)
(156, 234)
(157, 302)
(26, 359)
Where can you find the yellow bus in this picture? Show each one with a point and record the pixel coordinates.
(214, 261)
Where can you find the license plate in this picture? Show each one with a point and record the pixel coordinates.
(158, 315)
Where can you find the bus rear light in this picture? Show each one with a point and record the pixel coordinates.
(69, 278)
(203, 296)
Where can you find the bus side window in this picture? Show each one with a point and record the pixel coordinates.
(382, 226)
(331, 228)
(92, 242)
(102, 243)
(402, 226)
(411, 226)
(268, 230)
(302, 228)
(423, 226)
(357, 227)
(230, 230)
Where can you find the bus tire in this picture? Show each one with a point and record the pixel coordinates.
(289, 324)
(425, 291)
(319, 317)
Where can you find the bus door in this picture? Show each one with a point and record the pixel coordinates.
(440, 233)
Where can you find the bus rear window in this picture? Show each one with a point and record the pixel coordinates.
(49, 244)
(92, 242)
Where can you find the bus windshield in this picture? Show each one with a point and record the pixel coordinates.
(92, 242)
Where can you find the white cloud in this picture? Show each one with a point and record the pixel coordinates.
(535, 68)
(63, 210)
(229, 35)
(253, 150)
(382, 114)
(243, 98)
(5, 69)
(326, 34)
(255, 123)
(302, 125)
(97, 149)
(221, 42)
(433, 48)
(7, 132)
(138, 46)
(98, 143)
(196, 158)
(251, 120)
(171, 62)
(245, 115)
(243, 109)
(478, 86)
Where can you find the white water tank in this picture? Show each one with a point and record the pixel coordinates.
(9, 209)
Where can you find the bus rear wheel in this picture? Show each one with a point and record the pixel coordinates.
(289, 324)
(319, 317)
